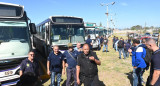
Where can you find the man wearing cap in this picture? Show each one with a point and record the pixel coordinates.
(71, 61)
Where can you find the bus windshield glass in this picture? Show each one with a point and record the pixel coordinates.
(60, 32)
(91, 31)
(14, 39)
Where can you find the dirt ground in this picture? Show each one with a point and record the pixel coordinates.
(112, 71)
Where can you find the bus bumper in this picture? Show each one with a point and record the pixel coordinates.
(10, 80)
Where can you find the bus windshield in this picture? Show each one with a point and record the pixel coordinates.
(14, 39)
(77, 34)
(64, 34)
(91, 31)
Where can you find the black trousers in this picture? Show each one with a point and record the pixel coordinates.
(91, 81)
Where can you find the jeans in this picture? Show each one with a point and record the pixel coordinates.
(137, 76)
(53, 75)
(70, 73)
(126, 53)
(121, 50)
(105, 46)
(116, 47)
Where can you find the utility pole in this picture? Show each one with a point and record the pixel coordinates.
(112, 3)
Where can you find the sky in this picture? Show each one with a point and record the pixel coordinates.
(125, 13)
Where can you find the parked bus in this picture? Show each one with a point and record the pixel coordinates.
(15, 41)
(58, 30)
(90, 30)
(99, 32)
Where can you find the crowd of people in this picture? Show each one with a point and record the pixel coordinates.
(101, 41)
(145, 53)
(80, 63)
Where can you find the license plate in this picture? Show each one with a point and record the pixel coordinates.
(8, 72)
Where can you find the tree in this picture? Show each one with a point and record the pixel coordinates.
(137, 27)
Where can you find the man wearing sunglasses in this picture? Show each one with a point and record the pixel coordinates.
(30, 64)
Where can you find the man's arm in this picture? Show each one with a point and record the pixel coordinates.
(155, 77)
(21, 69)
(98, 62)
(48, 67)
(77, 73)
(20, 72)
(63, 64)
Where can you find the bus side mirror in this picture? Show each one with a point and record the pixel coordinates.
(32, 28)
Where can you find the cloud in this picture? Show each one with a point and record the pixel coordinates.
(124, 4)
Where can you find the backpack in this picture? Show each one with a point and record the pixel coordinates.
(147, 57)
(120, 44)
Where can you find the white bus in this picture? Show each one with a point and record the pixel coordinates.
(15, 41)
(58, 30)
(90, 30)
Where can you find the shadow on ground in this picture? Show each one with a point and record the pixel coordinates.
(130, 77)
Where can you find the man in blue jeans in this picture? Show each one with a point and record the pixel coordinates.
(105, 44)
(138, 62)
(121, 48)
(54, 65)
(71, 61)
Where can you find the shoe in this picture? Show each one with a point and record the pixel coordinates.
(107, 51)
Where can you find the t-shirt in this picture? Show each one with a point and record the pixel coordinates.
(105, 41)
(56, 61)
(28, 66)
(89, 41)
(70, 61)
(155, 65)
(127, 46)
(121, 44)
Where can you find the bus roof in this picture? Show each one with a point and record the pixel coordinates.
(12, 13)
(65, 16)
(50, 19)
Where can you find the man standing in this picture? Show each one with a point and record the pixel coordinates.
(105, 44)
(113, 40)
(55, 64)
(121, 48)
(30, 64)
(78, 48)
(71, 59)
(87, 71)
(154, 77)
(116, 44)
(126, 47)
(138, 62)
(101, 40)
(99, 43)
(89, 42)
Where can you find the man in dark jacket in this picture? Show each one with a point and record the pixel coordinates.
(89, 42)
(121, 48)
(87, 71)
